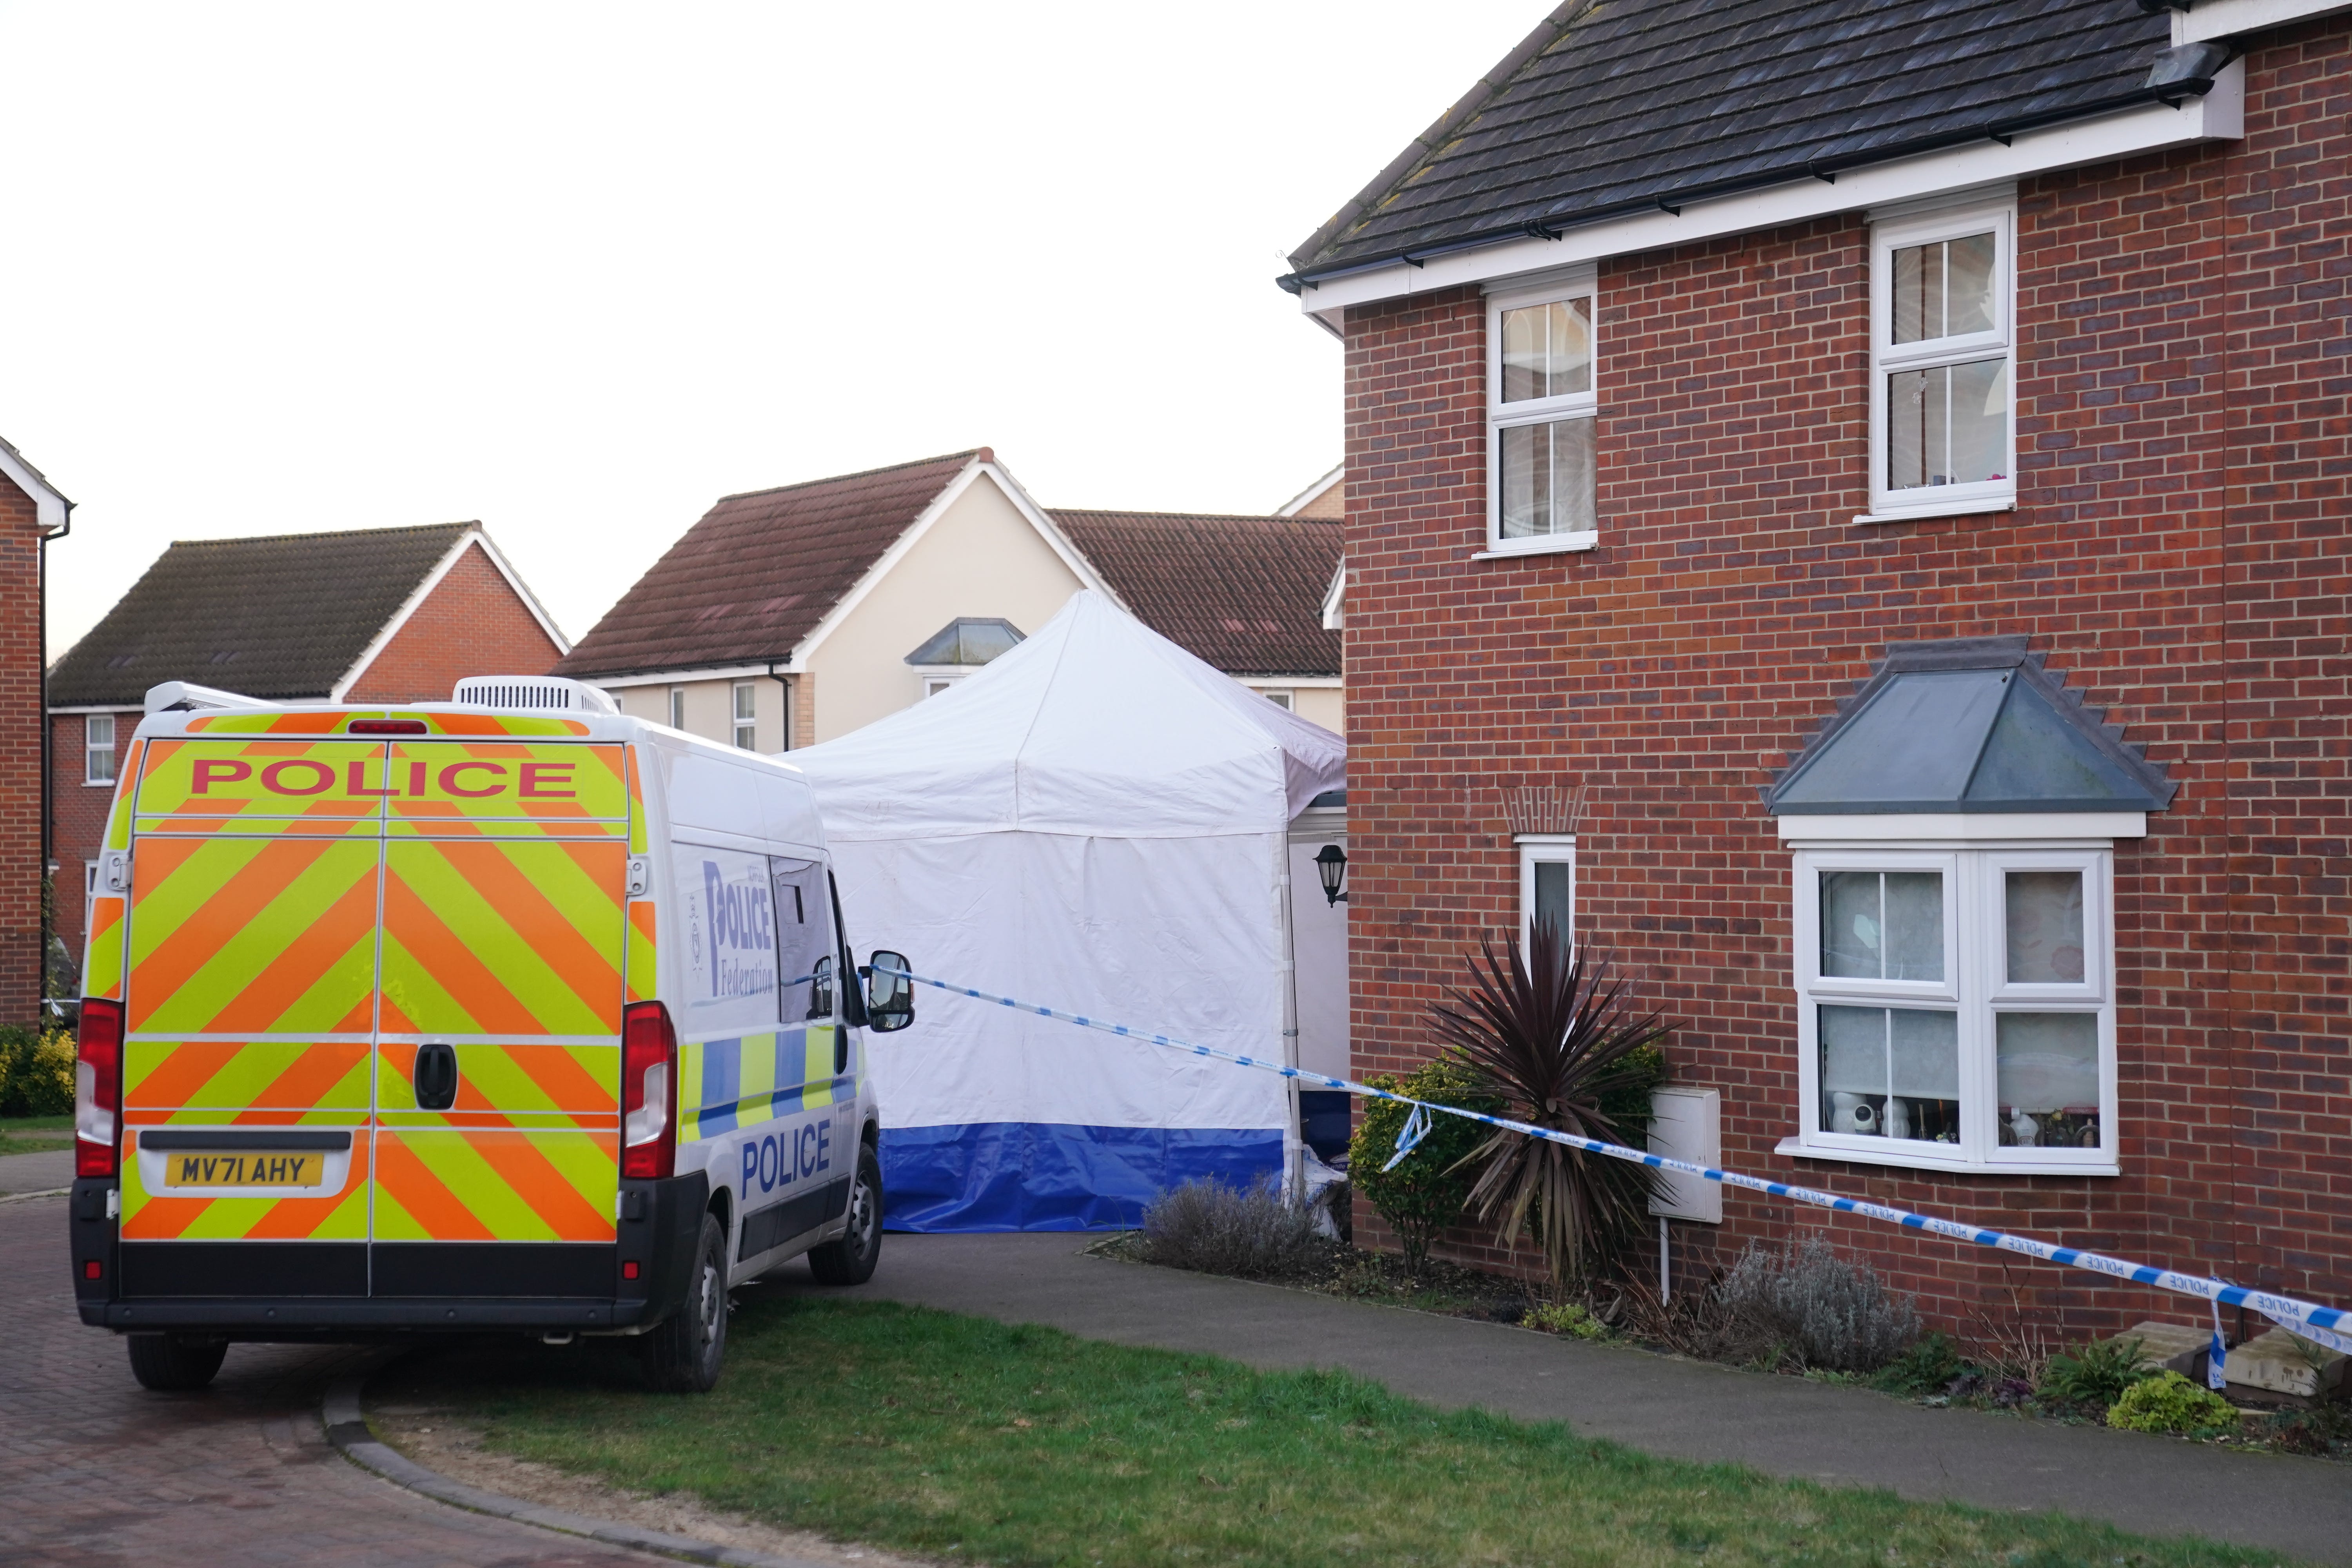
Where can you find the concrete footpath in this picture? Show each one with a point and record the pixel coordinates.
(1839, 1437)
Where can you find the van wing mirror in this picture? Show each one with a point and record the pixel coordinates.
(889, 992)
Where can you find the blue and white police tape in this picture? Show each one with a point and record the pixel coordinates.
(2328, 1326)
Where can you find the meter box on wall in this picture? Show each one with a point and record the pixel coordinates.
(1687, 1124)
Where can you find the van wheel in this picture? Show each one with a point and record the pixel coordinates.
(174, 1363)
(683, 1352)
(850, 1260)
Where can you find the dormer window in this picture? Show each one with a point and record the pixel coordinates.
(1541, 408)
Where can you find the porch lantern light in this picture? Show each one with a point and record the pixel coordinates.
(1331, 870)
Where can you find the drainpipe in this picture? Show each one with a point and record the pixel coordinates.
(48, 795)
(788, 703)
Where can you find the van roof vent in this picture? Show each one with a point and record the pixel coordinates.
(539, 691)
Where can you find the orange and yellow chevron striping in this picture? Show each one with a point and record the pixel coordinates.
(495, 1185)
(460, 781)
(494, 937)
(252, 936)
(240, 1082)
(509, 1083)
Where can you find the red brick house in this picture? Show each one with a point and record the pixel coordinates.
(32, 513)
(380, 614)
(1775, 422)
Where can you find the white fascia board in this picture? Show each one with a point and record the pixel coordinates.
(2228, 18)
(1313, 492)
(2147, 128)
(98, 707)
(971, 474)
(1294, 682)
(2080, 829)
(688, 677)
(50, 510)
(522, 591)
(391, 628)
(1335, 597)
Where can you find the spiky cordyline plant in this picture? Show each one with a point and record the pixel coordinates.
(1549, 1036)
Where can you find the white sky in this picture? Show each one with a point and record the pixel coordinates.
(578, 271)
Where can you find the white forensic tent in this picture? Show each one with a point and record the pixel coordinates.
(1095, 822)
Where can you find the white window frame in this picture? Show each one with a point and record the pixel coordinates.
(746, 731)
(1578, 284)
(1894, 233)
(113, 749)
(677, 715)
(1556, 848)
(1976, 988)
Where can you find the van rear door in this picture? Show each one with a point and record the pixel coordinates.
(498, 1041)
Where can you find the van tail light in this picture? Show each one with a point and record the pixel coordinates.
(98, 1087)
(648, 1092)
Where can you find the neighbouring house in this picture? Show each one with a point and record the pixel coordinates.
(1244, 593)
(378, 614)
(1326, 499)
(32, 513)
(793, 616)
(1886, 468)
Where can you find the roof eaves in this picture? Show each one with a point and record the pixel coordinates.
(51, 508)
(1673, 199)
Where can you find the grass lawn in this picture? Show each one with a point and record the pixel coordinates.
(35, 1134)
(963, 1439)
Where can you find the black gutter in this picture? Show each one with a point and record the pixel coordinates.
(2170, 93)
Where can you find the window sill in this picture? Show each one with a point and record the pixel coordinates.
(1558, 544)
(98, 783)
(1959, 509)
(1794, 1149)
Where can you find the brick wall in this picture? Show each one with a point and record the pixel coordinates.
(20, 757)
(77, 815)
(473, 622)
(2179, 550)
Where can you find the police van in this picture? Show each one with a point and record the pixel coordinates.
(511, 1012)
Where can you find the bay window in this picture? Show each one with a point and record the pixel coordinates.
(1943, 416)
(1541, 418)
(1955, 1008)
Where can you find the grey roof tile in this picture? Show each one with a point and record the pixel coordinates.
(283, 616)
(1622, 102)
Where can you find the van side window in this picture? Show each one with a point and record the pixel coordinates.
(804, 937)
(731, 929)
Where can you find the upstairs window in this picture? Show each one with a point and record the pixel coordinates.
(747, 713)
(677, 706)
(1943, 414)
(1541, 408)
(97, 748)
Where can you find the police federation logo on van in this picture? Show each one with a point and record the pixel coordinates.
(742, 932)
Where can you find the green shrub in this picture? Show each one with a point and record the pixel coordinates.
(2094, 1374)
(1628, 1104)
(1927, 1367)
(37, 1072)
(1425, 1191)
(1566, 1317)
(2171, 1403)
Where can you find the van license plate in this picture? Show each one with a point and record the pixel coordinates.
(244, 1170)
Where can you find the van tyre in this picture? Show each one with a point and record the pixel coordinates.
(174, 1363)
(684, 1352)
(851, 1259)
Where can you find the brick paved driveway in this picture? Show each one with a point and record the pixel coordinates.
(95, 1470)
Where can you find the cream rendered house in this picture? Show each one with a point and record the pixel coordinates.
(788, 616)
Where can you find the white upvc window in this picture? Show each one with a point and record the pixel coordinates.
(97, 748)
(747, 715)
(1943, 408)
(1547, 885)
(677, 706)
(1279, 697)
(1955, 1009)
(1542, 362)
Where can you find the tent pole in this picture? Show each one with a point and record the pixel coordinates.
(1294, 1169)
